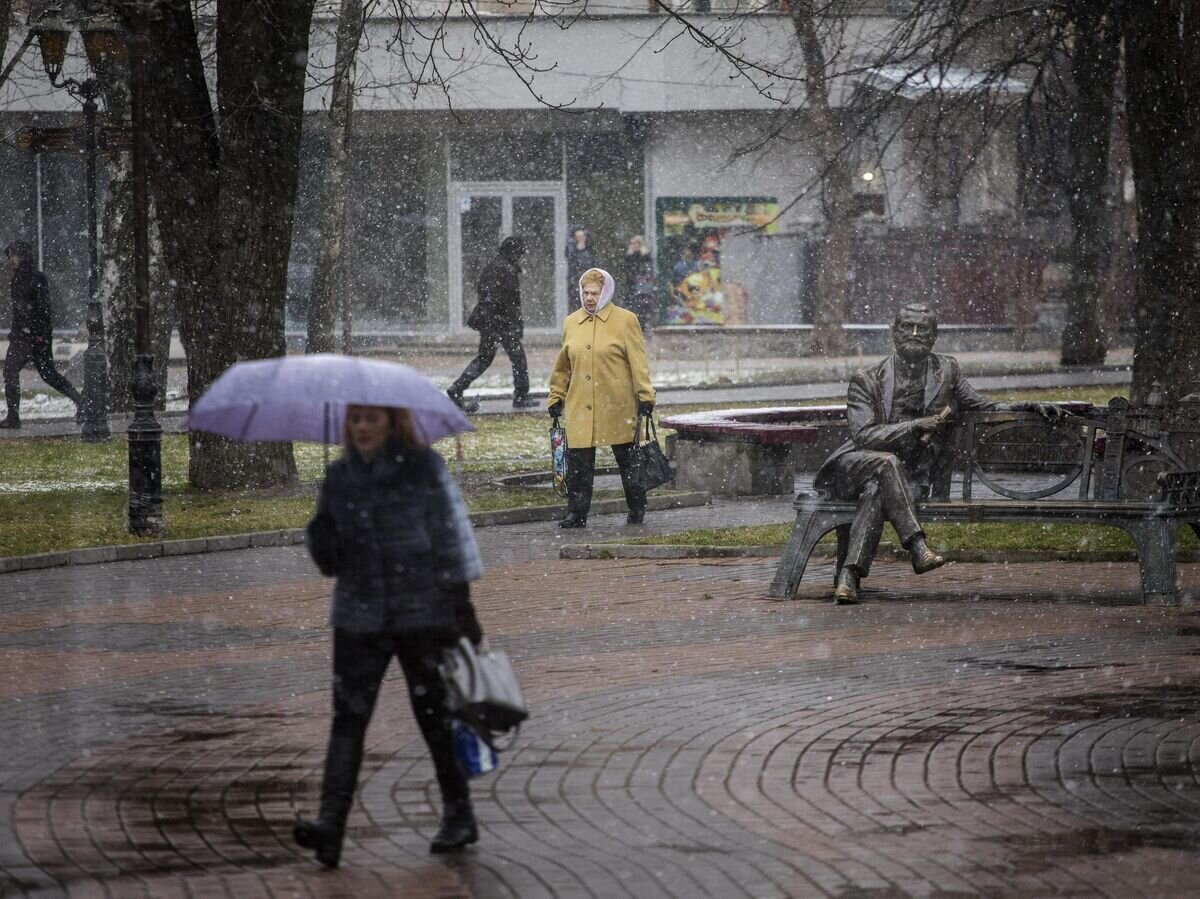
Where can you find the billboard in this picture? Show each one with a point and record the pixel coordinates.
(690, 232)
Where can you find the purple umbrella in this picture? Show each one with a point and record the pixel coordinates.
(305, 398)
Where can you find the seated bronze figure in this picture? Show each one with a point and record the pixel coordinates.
(897, 412)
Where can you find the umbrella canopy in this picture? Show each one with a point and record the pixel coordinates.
(305, 398)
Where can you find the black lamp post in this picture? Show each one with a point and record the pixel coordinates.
(102, 41)
(106, 43)
(145, 433)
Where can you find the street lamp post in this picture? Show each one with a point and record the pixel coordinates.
(53, 34)
(103, 41)
(145, 433)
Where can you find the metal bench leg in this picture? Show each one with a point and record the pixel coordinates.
(1154, 540)
(810, 527)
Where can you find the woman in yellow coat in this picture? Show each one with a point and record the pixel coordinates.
(602, 379)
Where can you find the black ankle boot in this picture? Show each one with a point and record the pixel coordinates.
(326, 834)
(325, 837)
(12, 422)
(573, 520)
(458, 829)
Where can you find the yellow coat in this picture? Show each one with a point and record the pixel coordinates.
(600, 374)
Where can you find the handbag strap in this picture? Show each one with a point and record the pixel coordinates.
(649, 430)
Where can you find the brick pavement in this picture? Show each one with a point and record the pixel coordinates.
(989, 730)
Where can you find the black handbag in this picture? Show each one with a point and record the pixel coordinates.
(650, 466)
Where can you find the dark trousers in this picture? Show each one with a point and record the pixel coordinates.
(22, 353)
(581, 472)
(881, 485)
(489, 340)
(359, 664)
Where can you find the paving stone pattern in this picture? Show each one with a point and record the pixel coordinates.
(987, 730)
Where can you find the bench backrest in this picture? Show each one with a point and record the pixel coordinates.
(1107, 454)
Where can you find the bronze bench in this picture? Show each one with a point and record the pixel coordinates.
(1120, 467)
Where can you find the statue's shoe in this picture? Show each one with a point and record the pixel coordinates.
(846, 591)
(925, 559)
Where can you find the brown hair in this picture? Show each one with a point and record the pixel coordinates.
(402, 426)
(592, 276)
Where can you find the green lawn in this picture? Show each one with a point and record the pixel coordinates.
(64, 494)
(1000, 537)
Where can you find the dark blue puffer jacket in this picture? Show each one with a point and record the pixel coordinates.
(394, 532)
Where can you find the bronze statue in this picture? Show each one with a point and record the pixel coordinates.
(898, 411)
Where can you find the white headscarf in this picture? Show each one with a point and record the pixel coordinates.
(606, 292)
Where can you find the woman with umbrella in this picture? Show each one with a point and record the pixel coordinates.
(391, 526)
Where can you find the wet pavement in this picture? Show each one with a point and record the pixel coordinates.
(991, 730)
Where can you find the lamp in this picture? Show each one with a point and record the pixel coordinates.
(104, 42)
(52, 32)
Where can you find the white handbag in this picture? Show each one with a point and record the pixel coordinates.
(482, 690)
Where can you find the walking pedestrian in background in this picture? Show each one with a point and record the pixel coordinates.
(601, 380)
(391, 526)
(30, 338)
(497, 317)
(641, 285)
(580, 256)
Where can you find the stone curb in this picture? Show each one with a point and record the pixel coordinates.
(98, 555)
(888, 553)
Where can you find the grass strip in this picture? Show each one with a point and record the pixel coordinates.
(951, 537)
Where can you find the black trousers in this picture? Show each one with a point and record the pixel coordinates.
(359, 664)
(489, 340)
(581, 472)
(881, 485)
(23, 352)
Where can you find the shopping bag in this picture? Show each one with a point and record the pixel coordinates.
(649, 467)
(474, 754)
(482, 690)
(558, 456)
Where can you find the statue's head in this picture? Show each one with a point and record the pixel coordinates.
(914, 331)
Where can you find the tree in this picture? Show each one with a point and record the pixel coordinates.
(1094, 56)
(1162, 71)
(225, 198)
(323, 297)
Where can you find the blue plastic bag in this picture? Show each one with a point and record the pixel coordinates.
(476, 756)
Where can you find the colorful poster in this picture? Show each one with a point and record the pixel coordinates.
(690, 232)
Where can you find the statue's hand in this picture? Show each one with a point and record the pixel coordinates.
(1048, 411)
(930, 424)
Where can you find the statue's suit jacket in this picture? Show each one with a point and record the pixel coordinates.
(869, 406)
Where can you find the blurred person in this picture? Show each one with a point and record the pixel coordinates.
(601, 381)
(497, 317)
(391, 526)
(685, 265)
(580, 256)
(641, 287)
(30, 338)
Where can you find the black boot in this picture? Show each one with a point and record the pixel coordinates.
(635, 516)
(458, 828)
(325, 835)
(462, 402)
(12, 422)
(573, 520)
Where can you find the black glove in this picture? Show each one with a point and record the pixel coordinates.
(556, 410)
(465, 622)
(645, 407)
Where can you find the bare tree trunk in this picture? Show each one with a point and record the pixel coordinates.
(262, 48)
(5, 24)
(828, 337)
(323, 300)
(1094, 61)
(1162, 58)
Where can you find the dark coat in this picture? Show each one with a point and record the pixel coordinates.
(499, 292)
(639, 275)
(30, 305)
(578, 262)
(394, 531)
(869, 406)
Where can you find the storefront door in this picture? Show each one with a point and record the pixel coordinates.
(483, 214)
